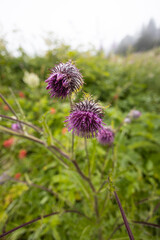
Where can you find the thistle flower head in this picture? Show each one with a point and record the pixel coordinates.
(64, 79)
(106, 136)
(135, 114)
(85, 119)
(16, 127)
(127, 120)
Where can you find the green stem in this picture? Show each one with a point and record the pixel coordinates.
(87, 156)
(72, 147)
(72, 156)
(105, 162)
(114, 160)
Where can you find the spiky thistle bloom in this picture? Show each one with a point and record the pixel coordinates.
(85, 119)
(64, 79)
(106, 136)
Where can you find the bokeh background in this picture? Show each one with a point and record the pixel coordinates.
(116, 46)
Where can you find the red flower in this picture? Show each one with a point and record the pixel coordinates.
(8, 143)
(6, 108)
(64, 130)
(17, 175)
(22, 153)
(52, 110)
(116, 97)
(21, 95)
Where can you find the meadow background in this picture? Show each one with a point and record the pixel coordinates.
(125, 82)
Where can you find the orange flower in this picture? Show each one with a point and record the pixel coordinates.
(22, 153)
(64, 130)
(21, 95)
(52, 110)
(6, 108)
(17, 175)
(8, 143)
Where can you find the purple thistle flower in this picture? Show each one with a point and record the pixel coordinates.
(135, 114)
(85, 119)
(16, 127)
(127, 120)
(64, 79)
(106, 136)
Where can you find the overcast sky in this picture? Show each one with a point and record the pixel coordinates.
(78, 22)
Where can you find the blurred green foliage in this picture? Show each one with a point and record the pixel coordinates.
(125, 83)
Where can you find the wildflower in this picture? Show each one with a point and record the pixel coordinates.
(8, 143)
(31, 79)
(106, 136)
(17, 176)
(6, 108)
(127, 120)
(135, 114)
(21, 95)
(64, 79)
(64, 130)
(52, 110)
(22, 153)
(85, 119)
(16, 127)
(116, 97)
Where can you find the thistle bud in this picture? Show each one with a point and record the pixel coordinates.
(106, 136)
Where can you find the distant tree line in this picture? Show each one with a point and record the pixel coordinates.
(148, 38)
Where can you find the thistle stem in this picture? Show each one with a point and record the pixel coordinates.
(12, 110)
(72, 147)
(105, 161)
(87, 156)
(52, 148)
(39, 130)
(40, 218)
(9, 106)
(25, 123)
(153, 225)
(124, 217)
